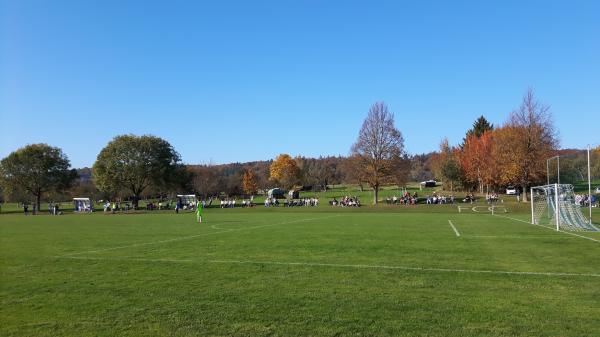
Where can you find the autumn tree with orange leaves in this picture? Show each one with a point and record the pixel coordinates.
(249, 182)
(445, 165)
(284, 171)
(523, 144)
(478, 163)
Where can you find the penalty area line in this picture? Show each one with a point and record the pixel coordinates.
(193, 236)
(455, 230)
(550, 228)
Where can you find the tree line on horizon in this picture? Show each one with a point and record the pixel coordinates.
(134, 167)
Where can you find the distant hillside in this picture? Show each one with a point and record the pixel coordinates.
(85, 174)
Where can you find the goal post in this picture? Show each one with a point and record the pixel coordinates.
(532, 206)
(556, 208)
(554, 205)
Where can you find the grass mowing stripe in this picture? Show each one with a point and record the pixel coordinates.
(193, 236)
(366, 266)
(551, 228)
(455, 230)
(334, 265)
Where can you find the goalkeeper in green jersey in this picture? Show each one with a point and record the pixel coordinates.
(199, 212)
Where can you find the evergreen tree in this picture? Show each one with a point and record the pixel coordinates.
(480, 126)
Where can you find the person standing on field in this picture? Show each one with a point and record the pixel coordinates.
(199, 208)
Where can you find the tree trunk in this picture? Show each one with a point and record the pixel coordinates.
(38, 196)
(375, 194)
(134, 203)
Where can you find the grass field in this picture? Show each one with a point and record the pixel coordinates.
(388, 271)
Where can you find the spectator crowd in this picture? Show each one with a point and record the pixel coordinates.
(585, 200)
(346, 201)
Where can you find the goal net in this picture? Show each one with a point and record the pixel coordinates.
(555, 205)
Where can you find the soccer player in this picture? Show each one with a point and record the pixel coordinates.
(199, 212)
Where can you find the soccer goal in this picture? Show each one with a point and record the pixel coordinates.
(82, 205)
(555, 205)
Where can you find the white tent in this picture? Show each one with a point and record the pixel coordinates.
(82, 205)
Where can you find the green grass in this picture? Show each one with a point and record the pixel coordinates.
(296, 272)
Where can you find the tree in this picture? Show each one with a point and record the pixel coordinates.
(402, 170)
(524, 144)
(249, 182)
(451, 171)
(134, 163)
(351, 174)
(204, 180)
(595, 162)
(378, 148)
(284, 170)
(477, 162)
(480, 126)
(446, 164)
(305, 168)
(36, 169)
(325, 171)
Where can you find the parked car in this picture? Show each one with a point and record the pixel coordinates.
(597, 190)
(429, 183)
(511, 190)
(276, 193)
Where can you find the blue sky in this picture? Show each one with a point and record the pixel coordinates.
(227, 81)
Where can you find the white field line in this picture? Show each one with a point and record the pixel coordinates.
(550, 228)
(337, 265)
(192, 236)
(455, 230)
(218, 228)
(146, 243)
(124, 259)
(514, 236)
